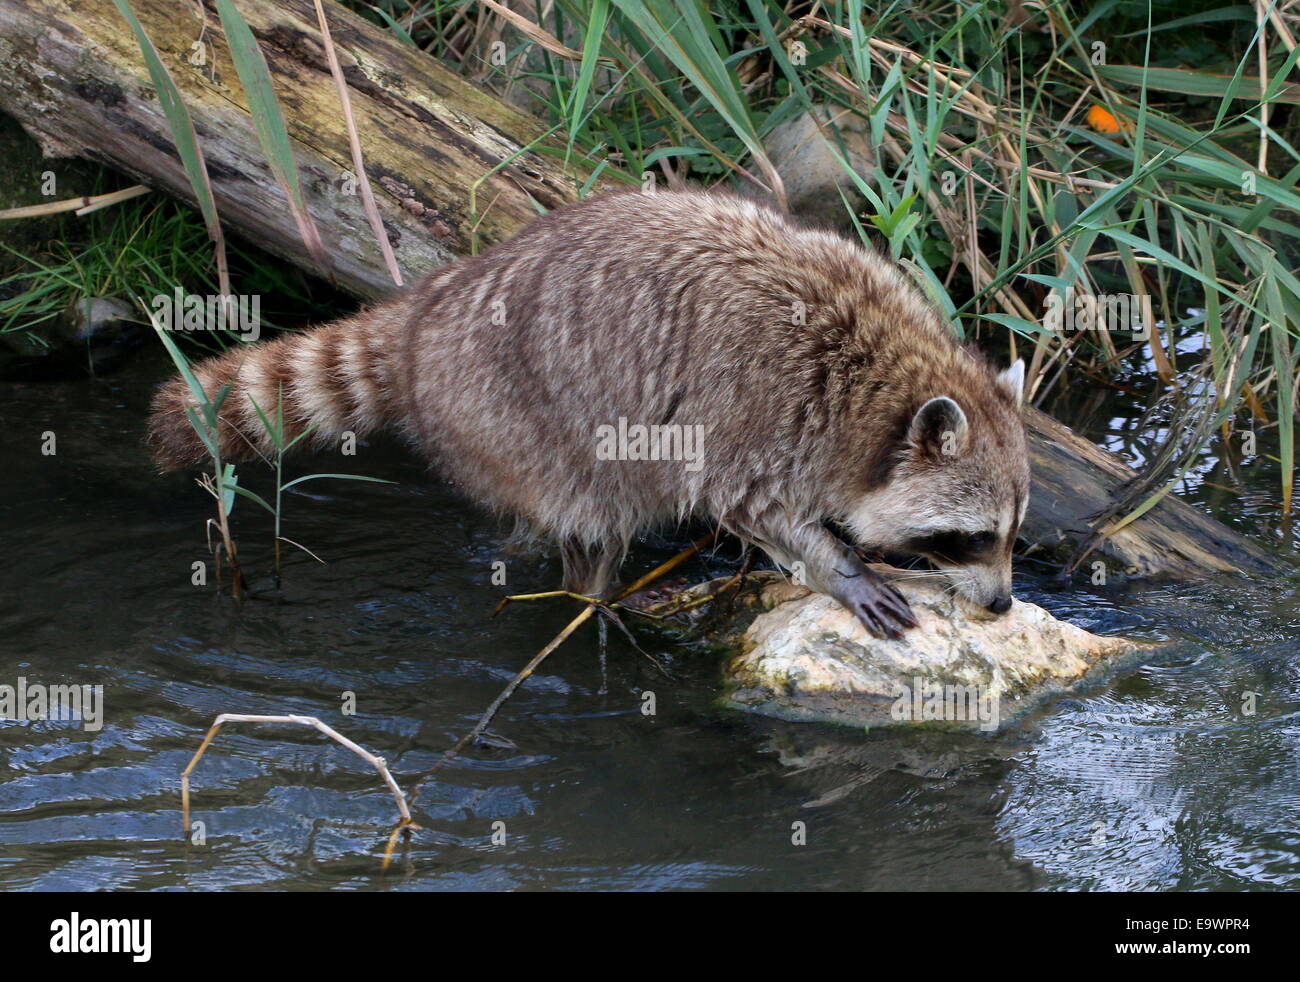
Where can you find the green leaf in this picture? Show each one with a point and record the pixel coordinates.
(758, 9)
(1283, 366)
(596, 18)
(307, 431)
(394, 26)
(178, 359)
(201, 429)
(344, 477)
(685, 32)
(178, 119)
(1245, 13)
(1187, 82)
(228, 482)
(1017, 324)
(1054, 282)
(268, 122)
(254, 497)
(276, 433)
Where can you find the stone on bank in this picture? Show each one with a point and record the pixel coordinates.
(799, 655)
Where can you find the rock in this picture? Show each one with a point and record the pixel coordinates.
(107, 330)
(94, 334)
(804, 657)
(806, 152)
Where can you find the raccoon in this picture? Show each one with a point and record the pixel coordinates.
(553, 379)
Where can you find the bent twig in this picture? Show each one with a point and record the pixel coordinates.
(377, 762)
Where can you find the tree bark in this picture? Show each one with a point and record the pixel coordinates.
(1075, 481)
(72, 74)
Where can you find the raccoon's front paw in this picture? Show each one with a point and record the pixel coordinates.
(883, 611)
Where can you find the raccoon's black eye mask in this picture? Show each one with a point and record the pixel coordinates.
(955, 547)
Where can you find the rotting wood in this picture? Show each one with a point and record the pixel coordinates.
(1075, 481)
(73, 76)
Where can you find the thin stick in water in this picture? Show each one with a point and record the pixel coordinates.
(378, 763)
(542, 655)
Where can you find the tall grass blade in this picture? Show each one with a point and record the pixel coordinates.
(354, 143)
(183, 136)
(268, 122)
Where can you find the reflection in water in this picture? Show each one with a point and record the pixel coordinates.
(1151, 779)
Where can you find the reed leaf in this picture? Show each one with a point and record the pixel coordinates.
(268, 122)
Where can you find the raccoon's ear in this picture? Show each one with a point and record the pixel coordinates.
(939, 428)
(1013, 380)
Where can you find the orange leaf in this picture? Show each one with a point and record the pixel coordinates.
(1103, 120)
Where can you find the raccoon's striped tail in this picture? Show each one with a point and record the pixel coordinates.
(340, 377)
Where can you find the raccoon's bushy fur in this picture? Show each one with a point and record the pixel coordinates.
(805, 357)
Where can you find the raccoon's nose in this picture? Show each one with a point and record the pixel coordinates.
(1001, 604)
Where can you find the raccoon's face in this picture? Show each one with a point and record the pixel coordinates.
(958, 493)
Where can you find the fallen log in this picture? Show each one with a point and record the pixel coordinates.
(73, 76)
(454, 170)
(1075, 481)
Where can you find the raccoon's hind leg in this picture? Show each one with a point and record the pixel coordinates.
(590, 574)
(591, 570)
(832, 568)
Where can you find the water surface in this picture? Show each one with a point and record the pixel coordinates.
(1154, 779)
